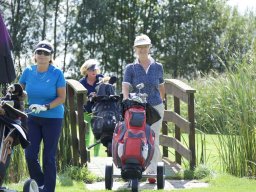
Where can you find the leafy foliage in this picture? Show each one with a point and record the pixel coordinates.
(188, 36)
(79, 174)
(231, 114)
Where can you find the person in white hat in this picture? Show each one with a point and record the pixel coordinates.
(46, 92)
(146, 70)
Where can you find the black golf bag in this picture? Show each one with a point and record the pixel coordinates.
(106, 113)
(12, 133)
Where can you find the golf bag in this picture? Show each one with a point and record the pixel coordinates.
(133, 141)
(12, 133)
(106, 112)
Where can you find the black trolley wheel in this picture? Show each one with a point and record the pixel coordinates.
(135, 185)
(30, 186)
(160, 175)
(109, 149)
(109, 176)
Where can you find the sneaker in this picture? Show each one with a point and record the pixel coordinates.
(151, 180)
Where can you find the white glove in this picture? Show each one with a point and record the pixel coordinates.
(37, 108)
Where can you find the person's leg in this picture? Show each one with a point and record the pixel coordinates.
(31, 152)
(51, 132)
(156, 127)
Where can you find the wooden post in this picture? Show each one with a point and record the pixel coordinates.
(191, 118)
(177, 129)
(72, 115)
(165, 130)
(81, 124)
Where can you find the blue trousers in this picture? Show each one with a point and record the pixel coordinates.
(47, 130)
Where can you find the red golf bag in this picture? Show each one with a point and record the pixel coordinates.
(133, 141)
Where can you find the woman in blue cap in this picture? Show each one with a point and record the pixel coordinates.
(46, 92)
(91, 77)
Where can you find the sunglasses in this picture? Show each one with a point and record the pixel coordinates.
(40, 52)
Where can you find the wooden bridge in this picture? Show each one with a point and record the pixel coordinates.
(176, 91)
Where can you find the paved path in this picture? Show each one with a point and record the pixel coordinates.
(97, 166)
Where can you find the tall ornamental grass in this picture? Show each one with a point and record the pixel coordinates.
(226, 106)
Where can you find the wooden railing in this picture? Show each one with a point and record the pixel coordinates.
(180, 92)
(76, 97)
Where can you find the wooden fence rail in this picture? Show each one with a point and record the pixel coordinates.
(76, 97)
(180, 92)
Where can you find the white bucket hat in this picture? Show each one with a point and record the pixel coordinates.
(142, 40)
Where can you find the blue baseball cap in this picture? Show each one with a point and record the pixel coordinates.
(44, 46)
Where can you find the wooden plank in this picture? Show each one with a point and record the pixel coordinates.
(165, 132)
(180, 85)
(81, 125)
(176, 92)
(177, 145)
(175, 118)
(72, 115)
(77, 86)
(192, 142)
(177, 129)
(174, 166)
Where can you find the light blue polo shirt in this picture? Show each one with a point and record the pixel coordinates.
(42, 89)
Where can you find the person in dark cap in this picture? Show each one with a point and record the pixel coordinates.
(46, 92)
(91, 77)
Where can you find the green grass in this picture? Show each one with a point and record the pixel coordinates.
(209, 150)
(227, 183)
(74, 187)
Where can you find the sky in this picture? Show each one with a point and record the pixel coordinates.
(243, 4)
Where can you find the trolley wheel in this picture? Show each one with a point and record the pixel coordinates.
(109, 176)
(109, 149)
(30, 186)
(135, 185)
(160, 175)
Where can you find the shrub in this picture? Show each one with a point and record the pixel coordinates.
(80, 174)
(202, 171)
(65, 180)
(188, 174)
